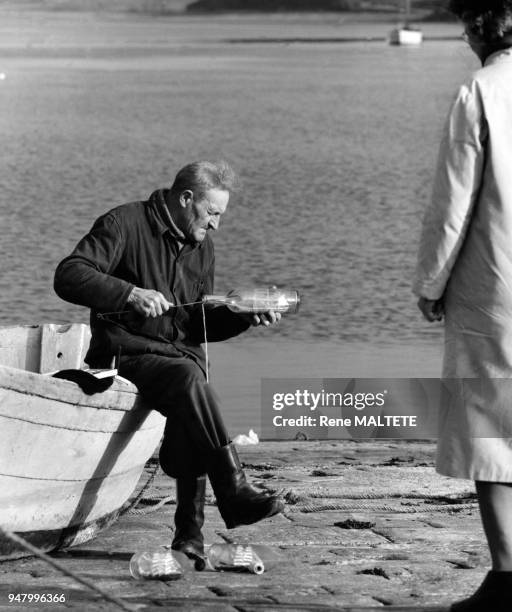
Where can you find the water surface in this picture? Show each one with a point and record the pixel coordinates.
(335, 145)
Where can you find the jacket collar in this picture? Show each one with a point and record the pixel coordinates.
(162, 221)
(499, 56)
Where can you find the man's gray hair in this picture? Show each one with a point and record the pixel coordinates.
(203, 175)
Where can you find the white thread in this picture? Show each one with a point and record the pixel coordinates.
(103, 315)
(205, 342)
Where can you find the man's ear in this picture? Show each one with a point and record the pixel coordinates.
(186, 197)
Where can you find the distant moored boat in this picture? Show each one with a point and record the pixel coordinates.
(406, 34)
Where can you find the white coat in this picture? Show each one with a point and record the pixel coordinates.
(465, 256)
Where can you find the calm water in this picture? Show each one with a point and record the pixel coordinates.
(335, 144)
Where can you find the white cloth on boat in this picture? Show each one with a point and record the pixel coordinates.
(465, 255)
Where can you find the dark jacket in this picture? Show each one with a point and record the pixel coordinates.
(129, 246)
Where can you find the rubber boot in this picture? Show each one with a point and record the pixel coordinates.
(189, 518)
(493, 595)
(238, 502)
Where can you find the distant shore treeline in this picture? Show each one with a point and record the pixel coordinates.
(430, 8)
(422, 9)
(276, 5)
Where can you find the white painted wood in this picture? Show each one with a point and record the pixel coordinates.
(66, 458)
(80, 436)
(44, 348)
(62, 346)
(20, 347)
(48, 505)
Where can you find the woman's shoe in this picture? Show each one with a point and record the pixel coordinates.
(493, 595)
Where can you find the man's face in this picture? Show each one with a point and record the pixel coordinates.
(198, 215)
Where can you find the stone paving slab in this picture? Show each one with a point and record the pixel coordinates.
(368, 525)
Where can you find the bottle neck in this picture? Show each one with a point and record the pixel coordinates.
(215, 298)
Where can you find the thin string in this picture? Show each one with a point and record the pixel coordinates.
(205, 342)
(102, 315)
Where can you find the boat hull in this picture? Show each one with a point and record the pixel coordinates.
(68, 461)
(404, 36)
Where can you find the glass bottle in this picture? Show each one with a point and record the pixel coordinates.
(157, 564)
(257, 299)
(233, 557)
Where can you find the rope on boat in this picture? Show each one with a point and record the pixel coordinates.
(59, 566)
(130, 505)
(161, 502)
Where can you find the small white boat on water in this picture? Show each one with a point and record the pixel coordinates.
(68, 461)
(406, 34)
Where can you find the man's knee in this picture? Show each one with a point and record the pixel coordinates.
(178, 455)
(161, 379)
(189, 374)
(186, 387)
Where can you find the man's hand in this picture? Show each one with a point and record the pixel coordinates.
(263, 318)
(432, 310)
(148, 302)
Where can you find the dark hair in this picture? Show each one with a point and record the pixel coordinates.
(203, 175)
(488, 20)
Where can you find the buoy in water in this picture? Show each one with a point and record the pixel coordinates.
(3, 76)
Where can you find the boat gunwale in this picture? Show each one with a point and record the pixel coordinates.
(68, 392)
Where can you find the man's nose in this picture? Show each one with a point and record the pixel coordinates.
(213, 223)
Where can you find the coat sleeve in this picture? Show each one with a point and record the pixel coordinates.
(221, 323)
(85, 276)
(456, 187)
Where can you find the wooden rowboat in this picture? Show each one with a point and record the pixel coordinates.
(68, 461)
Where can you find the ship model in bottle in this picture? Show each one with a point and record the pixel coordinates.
(233, 557)
(257, 299)
(156, 564)
(163, 563)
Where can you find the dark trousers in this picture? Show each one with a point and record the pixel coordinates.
(177, 387)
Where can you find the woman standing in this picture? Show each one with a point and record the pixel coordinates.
(464, 273)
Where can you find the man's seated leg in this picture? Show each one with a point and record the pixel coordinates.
(175, 386)
(238, 502)
(178, 461)
(189, 518)
(164, 382)
(179, 390)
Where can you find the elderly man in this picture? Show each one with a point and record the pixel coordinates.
(155, 259)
